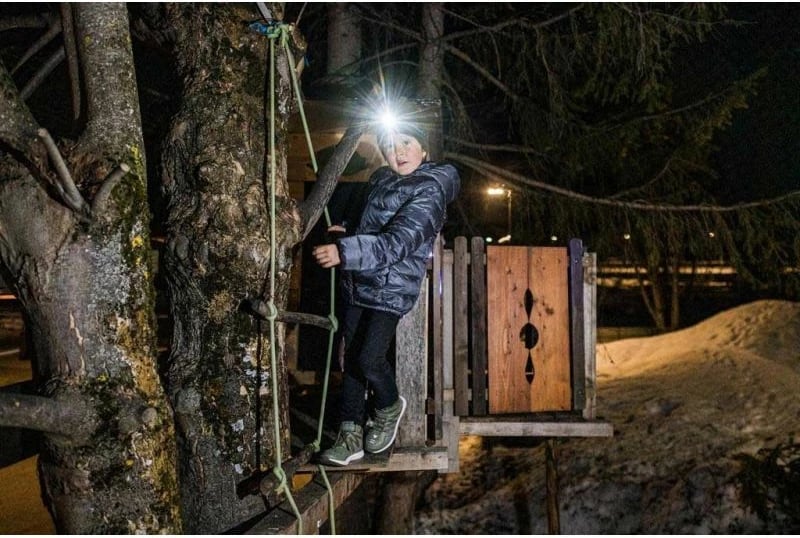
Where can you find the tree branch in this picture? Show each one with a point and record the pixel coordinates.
(39, 44)
(72, 58)
(70, 419)
(489, 169)
(511, 148)
(71, 196)
(52, 62)
(100, 202)
(327, 179)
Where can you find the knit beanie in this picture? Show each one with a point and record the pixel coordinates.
(404, 128)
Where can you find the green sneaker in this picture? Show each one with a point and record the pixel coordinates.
(384, 428)
(347, 448)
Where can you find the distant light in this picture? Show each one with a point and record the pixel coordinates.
(488, 239)
(496, 191)
(553, 238)
(504, 239)
(711, 235)
(627, 237)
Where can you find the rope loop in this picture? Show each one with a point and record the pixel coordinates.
(334, 322)
(272, 311)
(272, 29)
(280, 474)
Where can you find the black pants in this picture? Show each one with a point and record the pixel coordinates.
(367, 336)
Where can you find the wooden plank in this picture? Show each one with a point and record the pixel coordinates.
(577, 325)
(397, 459)
(460, 322)
(590, 331)
(511, 272)
(478, 325)
(507, 278)
(531, 428)
(551, 389)
(449, 419)
(412, 371)
(312, 503)
(437, 337)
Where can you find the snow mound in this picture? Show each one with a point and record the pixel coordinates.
(697, 415)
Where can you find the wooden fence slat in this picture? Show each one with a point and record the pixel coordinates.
(478, 324)
(437, 338)
(590, 331)
(576, 310)
(460, 268)
(411, 371)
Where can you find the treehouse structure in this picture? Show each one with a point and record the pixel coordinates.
(500, 343)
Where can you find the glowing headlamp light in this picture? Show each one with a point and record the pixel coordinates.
(388, 119)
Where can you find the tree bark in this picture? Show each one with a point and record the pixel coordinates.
(216, 180)
(85, 284)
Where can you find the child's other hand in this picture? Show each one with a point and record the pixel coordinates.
(327, 256)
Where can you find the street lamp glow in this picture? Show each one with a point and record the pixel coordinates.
(496, 191)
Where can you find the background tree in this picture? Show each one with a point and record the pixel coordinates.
(587, 110)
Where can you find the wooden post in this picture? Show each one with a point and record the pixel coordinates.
(551, 479)
(412, 371)
(437, 337)
(590, 331)
(460, 268)
(576, 311)
(478, 295)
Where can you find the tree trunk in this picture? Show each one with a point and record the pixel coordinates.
(216, 179)
(83, 274)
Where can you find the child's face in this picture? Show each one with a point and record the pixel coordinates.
(403, 153)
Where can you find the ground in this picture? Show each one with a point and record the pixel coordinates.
(707, 440)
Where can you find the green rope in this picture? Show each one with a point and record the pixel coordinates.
(273, 311)
(332, 315)
(281, 31)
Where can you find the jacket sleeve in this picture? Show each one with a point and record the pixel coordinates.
(420, 218)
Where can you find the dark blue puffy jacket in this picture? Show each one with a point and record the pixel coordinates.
(385, 261)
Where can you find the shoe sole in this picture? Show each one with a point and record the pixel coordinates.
(347, 461)
(396, 426)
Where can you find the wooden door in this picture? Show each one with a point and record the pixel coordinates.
(528, 329)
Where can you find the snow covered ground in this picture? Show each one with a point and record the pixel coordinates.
(696, 414)
(707, 440)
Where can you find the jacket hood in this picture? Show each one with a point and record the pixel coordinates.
(445, 175)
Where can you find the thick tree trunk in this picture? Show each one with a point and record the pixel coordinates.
(216, 180)
(83, 275)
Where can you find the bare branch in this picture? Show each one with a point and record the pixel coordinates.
(67, 419)
(510, 148)
(39, 44)
(489, 169)
(72, 197)
(26, 21)
(72, 58)
(464, 57)
(100, 202)
(43, 72)
(312, 207)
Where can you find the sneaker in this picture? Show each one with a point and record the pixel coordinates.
(347, 448)
(384, 428)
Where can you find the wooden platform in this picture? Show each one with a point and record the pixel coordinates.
(312, 502)
(526, 426)
(398, 459)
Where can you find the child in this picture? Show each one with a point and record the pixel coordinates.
(383, 266)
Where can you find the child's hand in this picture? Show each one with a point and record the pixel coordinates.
(327, 256)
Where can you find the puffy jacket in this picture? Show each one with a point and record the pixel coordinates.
(385, 261)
